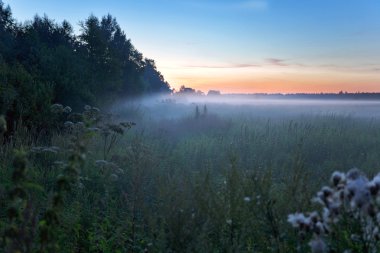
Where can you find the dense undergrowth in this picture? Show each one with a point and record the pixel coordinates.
(207, 183)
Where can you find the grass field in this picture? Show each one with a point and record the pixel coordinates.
(222, 179)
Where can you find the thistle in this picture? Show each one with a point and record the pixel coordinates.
(351, 199)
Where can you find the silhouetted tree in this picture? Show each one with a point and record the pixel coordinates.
(43, 62)
(213, 93)
(153, 79)
(186, 90)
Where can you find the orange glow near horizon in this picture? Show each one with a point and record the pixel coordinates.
(273, 79)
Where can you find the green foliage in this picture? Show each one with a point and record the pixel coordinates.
(42, 62)
(92, 182)
(204, 188)
(349, 219)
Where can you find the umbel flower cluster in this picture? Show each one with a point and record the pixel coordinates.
(349, 218)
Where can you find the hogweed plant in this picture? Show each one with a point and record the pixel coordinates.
(18, 232)
(24, 224)
(79, 129)
(349, 218)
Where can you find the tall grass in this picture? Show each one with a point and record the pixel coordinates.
(189, 184)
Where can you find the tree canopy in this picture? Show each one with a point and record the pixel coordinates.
(44, 62)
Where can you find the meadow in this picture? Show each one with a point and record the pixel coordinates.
(180, 174)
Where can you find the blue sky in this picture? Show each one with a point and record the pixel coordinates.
(243, 45)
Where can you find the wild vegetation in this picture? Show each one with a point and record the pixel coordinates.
(200, 182)
(171, 174)
(42, 63)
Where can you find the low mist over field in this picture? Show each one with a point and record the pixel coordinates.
(235, 106)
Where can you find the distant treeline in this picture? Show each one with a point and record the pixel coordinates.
(43, 62)
(340, 95)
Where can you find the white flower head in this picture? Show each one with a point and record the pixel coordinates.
(247, 199)
(338, 178)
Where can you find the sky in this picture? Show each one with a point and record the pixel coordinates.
(243, 46)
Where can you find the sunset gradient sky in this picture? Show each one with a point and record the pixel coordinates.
(243, 46)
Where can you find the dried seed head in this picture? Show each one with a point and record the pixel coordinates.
(319, 228)
(317, 245)
(353, 174)
(314, 217)
(327, 191)
(371, 210)
(67, 109)
(337, 178)
(56, 108)
(373, 188)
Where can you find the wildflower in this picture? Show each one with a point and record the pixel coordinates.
(56, 108)
(298, 220)
(375, 233)
(358, 192)
(229, 222)
(376, 179)
(319, 228)
(371, 210)
(36, 149)
(318, 245)
(67, 109)
(327, 191)
(374, 185)
(351, 194)
(59, 163)
(324, 197)
(101, 163)
(68, 124)
(95, 110)
(355, 237)
(49, 150)
(353, 174)
(93, 129)
(79, 126)
(55, 148)
(338, 178)
(247, 199)
(314, 217)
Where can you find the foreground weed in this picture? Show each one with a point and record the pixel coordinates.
(349, 220)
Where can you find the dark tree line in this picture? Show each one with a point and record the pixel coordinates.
(43, 62)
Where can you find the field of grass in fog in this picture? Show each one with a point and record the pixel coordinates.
(188, 175)
(255, 128)
(198, 176)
